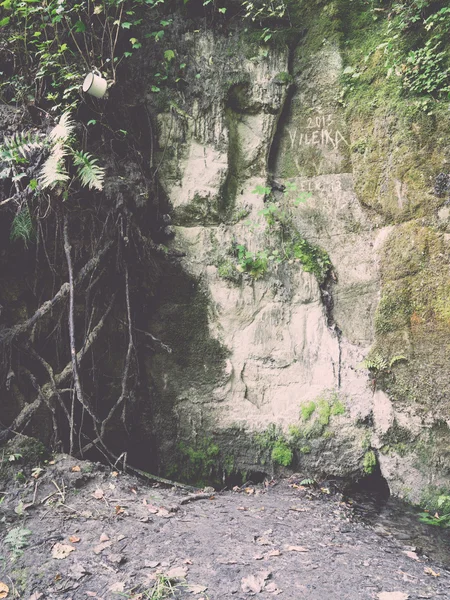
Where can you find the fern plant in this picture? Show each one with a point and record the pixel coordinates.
(54, 171)
(90, 173)
(17, 540)
(22, 226)
(379, 364)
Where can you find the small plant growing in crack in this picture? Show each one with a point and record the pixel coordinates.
(16, 540)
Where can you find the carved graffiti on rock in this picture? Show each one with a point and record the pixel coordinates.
(319, 131)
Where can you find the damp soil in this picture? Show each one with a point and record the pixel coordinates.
(99, 533)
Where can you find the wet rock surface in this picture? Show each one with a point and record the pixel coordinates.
(95, 532)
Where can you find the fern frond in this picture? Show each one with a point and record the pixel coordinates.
(375, 363)
(395, 359)
(22, 226)
(53, 170)
(63, 130)
(89, 172)
(20, 145)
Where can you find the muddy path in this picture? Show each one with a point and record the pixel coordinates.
(80, 530)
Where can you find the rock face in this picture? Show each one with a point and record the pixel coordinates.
(267, 367)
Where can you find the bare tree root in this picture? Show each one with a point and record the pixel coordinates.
(8, 335)
(47, 390)
(126, 370)
(73, 352)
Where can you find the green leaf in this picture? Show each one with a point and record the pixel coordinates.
(22, 226)
(155, 89)
(4, 21)
(79, 27)
(92, 122)
(169, 55)
(222, 10)
(126, 25)
(89, 172)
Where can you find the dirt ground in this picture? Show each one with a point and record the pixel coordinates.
(78, 530)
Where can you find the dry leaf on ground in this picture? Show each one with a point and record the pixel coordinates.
(36, 596)
(98, 494)
(100, 547)
(429, 571)
(4, 590)
(177, 573)
(296, 549)
(263, 541)
(74, 539)
(272, 589)
(411, 554)
(75, 469)
(60, 551)
(274, 553)
(117, 588)
(76, 571)
(255, 583)
(393, 596)
(196, 589)
(104, 537)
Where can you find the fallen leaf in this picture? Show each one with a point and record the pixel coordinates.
(119, 510)
(393, 596)
(242, 508)
(411, 554)
(196, 589)
(187, 561)
(274, 553)
(429, 571)
(255, 583)
(114, 474)
(104, 537)
(177, 573)
(98, 494)
(249, 490)
(121, 537)
(75, 469)
(60, 551)
(4, 590)
(296, 549)
(36, 596)
(77, 571)
(163, 512)
(74, 539)
(133, 491)
(152, 509)
(263, 541)
(117, 559)
(272, 588)
(151, 564)
(100, 547)
(117, 588)
(51, 462)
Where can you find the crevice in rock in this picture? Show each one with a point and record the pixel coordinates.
(274, 150)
